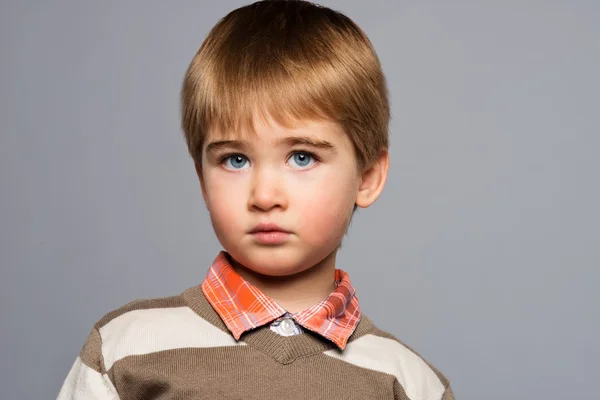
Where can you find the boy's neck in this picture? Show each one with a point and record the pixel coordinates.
(296, 292)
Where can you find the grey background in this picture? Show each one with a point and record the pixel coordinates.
(482, 253)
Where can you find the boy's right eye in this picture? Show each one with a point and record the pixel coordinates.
(235, 162)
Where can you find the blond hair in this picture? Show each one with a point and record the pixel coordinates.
(290, 60)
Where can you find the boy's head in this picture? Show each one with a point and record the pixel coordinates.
(285, 113)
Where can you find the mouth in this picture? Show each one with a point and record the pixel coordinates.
(269, 234)
(265, 227)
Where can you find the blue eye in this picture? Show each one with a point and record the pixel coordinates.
(302, 159)
(235, 161)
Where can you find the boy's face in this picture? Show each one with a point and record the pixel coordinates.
(280, 200)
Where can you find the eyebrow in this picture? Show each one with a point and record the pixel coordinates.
(307, 141)
(217, 145)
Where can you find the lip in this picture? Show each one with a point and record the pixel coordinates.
(270, 234)
(268, 227)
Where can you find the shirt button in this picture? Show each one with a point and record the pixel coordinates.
(287, 326)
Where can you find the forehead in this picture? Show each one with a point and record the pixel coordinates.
(266, 130)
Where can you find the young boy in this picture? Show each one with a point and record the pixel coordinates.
(285, 113)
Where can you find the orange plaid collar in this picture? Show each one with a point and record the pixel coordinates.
(243, 307)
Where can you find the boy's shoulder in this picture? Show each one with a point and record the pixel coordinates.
(136, 309)
(146, 326)
(187, 310)
(376, 349)
(152, 313)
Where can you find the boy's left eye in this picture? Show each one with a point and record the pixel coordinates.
(301, 159)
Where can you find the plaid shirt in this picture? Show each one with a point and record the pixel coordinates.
(243, 307)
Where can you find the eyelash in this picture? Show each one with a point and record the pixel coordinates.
(308, 153)
(225, 157)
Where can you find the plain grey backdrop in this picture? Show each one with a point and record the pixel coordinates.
(482, 253)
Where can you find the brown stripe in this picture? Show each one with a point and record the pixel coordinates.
(399, 393)
(242, 372)
(91, 353)
(145, 304)
(195, 299)
(287, 349)
(448, 395)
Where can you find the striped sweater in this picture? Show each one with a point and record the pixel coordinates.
(179, 348)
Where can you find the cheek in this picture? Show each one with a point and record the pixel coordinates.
(224, 200)
(326, 207)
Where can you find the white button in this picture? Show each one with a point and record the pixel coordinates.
(287, 326)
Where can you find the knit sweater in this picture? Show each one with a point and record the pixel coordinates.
(179, 348)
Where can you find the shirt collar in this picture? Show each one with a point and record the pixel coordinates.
(243, 307)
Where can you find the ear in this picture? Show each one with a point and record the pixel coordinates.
(373, 180)
(201, 178)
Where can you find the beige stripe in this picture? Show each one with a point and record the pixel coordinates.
(419, 381)
(379, 332)
(147, 331)
(85, 383)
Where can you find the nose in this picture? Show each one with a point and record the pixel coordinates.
(267, 191)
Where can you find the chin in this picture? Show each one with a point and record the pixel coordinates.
(275, 261)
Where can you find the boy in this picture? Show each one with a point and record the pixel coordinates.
(285, 113)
